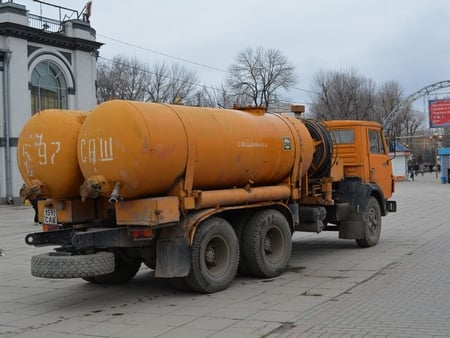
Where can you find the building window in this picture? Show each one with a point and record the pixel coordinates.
(48, 87)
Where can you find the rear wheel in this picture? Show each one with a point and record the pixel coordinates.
(215, 256)
(179, 283)
(124, 271)
(267, 244)
(238, 222)
(151, 264)
(372, 225)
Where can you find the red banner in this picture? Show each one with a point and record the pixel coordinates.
(439, 113)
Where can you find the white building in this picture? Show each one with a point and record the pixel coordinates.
(44, 63)
(400, 158)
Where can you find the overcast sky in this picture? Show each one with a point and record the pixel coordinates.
(403, 40)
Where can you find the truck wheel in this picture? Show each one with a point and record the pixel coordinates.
(54, 265)
(124, 271)
(151, 264)
(179, 283)
(267, 244)
(150, 258)
(215, 256)
(238, 222)
(372, 228)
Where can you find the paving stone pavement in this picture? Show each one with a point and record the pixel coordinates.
(332, 288)
(408, 298)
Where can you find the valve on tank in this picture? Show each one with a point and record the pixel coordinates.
(115, 196)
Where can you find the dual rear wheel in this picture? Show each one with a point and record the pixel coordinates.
(259, 246)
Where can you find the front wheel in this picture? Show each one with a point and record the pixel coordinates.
(372, 225)
(215, 256)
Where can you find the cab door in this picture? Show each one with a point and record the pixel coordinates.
(380, 164)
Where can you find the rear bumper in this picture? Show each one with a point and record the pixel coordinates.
(87, 238)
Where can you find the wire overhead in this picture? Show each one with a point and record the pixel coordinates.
(183, 60)
(165, 54)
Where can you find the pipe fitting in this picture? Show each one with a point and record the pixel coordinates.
(115, 196)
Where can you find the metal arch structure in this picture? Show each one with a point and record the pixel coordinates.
(413, 97)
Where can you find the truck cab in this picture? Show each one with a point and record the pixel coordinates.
(362, 149)
(361, 172)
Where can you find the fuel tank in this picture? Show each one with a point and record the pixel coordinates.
(147, 148)
(47, 152)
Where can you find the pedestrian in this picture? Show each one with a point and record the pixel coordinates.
(421, 168)
(416, 169)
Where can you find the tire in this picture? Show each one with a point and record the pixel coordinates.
(124, 271)
(179, 283)
(150, 258)
(151, 264)
(238, 222)
(52, 265)
(214, 256)
(372, 226)
(267, 244)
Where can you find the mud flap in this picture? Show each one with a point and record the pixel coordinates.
(352, 226)
(173, 258)
(351, 229)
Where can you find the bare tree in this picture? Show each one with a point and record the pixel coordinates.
(182, 84)
(410, 122)
(388, 96)
(258, 74)
(214, 97)
(407, 121)
(170, 84)
(157, 88)
(129, 79)
(121, 78)
(342, 95)
(105, 83)
(137, 74)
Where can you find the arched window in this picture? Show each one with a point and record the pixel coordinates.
(48, 87)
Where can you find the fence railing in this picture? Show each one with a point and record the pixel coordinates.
(45, 24)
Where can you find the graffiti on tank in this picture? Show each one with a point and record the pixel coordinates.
(45, 151)
(95, 150)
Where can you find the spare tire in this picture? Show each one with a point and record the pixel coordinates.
(55, 265)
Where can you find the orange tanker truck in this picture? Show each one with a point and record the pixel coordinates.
(197, 194)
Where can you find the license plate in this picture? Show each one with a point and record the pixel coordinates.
(50, 216)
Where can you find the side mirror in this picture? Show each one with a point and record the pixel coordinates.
(391, 141)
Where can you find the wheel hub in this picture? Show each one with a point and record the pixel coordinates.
(372, 220)
(268, 245)
(210, 256)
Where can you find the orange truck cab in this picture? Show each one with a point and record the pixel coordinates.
(362, 148)
(362, 180)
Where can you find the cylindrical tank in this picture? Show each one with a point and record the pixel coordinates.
(149, 147)
(47, 152)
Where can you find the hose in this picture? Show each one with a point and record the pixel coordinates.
(323, 155)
